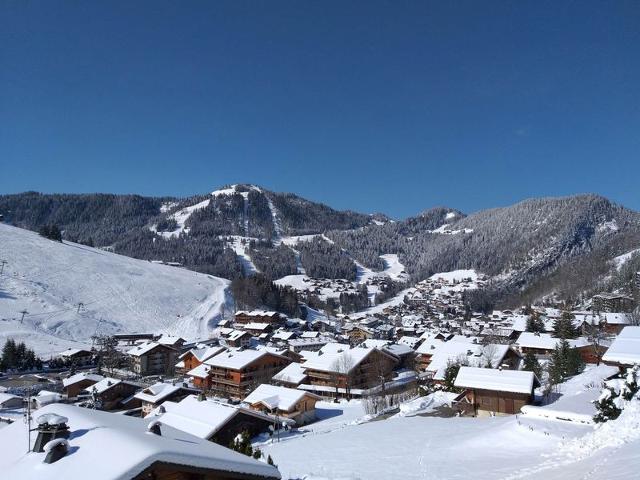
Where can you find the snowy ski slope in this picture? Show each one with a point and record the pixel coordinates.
(71, 291)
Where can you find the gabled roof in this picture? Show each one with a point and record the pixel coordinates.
(144, 348)
(513, 381)
(471, 353)
(73, 351)
(202, 353)
(110, 446)
(203, 418)
(157, 392)
(292, 373)
(281, 398)
(342, 361)
(79, 377)
(237, 360)
(625, 348)
(107, 383)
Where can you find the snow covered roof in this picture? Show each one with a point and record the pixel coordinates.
(170, 340)
(256, 326)
(236, 360)
(543, 341)
(202, 418)
(142, 349)
(292, 373)
(337, 362)
(73, 351)
(201, 371)
(409, 341)
(117, 447)
(281, 398)
(202, 353)
(515, 381)
(429, 345)
(7, 396)
(625, 348)
(157, 392)
(473, 354)
(105, 384)
(79, 377)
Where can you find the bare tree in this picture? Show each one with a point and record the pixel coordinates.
(597, 336)
(634, 317)
(489, 354)
(341, 368)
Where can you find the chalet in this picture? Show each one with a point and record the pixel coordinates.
(234, 374)
(77, 356)
(155, 395)
(75, 384)
(490, 391)
(196, 356)
(8, 401)
(471, 354)
(152, 358)
(347, 370)
(212, 420)
(290, 376)
(259, 316)
(358, 333)
(543, 344)
(625, 348)
(113, 394)
(256, 329)
(297, 405)
(238, 338)
(143, 450)
(44, 398)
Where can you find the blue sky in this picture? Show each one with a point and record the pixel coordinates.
(373, 106)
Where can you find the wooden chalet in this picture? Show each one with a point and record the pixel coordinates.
(234, 374)
(494, 391)
(349, 369)
(75, 384)
(297, 405)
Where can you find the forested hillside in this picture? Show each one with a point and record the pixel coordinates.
(531, 249)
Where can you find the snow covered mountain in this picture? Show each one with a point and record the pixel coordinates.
(69, 292)
(533, 248)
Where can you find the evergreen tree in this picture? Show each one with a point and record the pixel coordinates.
(531, 364)
(270, 461)
(563, 327)
(606, 406)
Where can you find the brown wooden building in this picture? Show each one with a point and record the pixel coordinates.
(235, 374)
(491, 391)
(356, 368)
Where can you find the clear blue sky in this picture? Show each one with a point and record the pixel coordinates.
(374, 106)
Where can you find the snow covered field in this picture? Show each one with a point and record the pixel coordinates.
(71, 291)
(411, 446)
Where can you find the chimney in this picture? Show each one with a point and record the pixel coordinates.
(154, 427)
(50, 427)
(56, 449)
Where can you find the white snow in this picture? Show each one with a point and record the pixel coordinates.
(620, 260)
(106, 446)
(71, 292)
(515, 381)
(455, 275)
